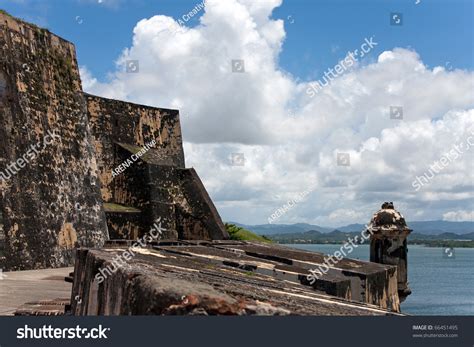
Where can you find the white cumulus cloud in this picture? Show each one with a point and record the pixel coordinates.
(291, 140)
(457, 216)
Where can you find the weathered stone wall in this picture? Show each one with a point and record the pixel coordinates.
(53, 199)
(52, 203)
(125, 225)
(157, 183)
(197, 216)
(393, 251)
(135, 125)
(225, 277)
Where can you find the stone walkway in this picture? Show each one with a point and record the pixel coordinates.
(20, 287)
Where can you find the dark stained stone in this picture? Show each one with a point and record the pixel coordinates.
(55, 202)
(52, 204)
(223, 277)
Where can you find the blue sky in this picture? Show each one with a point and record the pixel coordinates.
(290, 140)
(319, 33)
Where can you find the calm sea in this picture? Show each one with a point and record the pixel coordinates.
(440, 284)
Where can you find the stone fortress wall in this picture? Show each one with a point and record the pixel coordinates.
(60, 194)
(52, 200)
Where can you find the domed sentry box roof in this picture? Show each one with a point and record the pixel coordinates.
(388, 221)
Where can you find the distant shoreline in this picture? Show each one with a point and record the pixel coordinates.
(427, 243)
(337, 237)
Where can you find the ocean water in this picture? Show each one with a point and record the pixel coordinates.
(441, 285)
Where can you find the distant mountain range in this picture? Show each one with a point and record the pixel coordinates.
(426, 228)
(336, 236)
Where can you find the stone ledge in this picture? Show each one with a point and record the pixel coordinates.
(187, 278)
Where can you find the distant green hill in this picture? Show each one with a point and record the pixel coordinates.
(423, 227)
(336, 236)
(241, 234)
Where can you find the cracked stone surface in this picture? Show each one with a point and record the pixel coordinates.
(225, 278)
